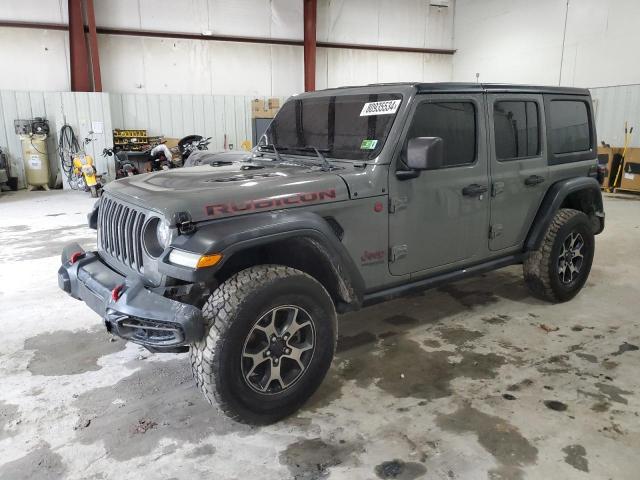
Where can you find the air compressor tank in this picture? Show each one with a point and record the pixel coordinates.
(36, 160)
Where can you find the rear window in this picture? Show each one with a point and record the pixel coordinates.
(569, 125)
(516, 129)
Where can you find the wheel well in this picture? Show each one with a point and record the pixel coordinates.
(587, 201)
(301, 253)
(583, 200)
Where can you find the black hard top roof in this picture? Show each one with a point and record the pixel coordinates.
(455, 87)
(447, 87)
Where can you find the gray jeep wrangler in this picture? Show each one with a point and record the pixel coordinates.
(353, 196)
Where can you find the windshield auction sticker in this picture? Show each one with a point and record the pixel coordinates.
(386, 107)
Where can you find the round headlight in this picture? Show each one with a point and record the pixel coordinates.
(163, 232)
(157, 236)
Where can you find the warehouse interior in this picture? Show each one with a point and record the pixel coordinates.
(470, 376)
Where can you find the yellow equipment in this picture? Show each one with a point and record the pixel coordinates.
(627, 140)
(84, 168)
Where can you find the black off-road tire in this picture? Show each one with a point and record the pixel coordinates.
(231, 312)
(541, 271)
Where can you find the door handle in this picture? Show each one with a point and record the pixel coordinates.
(474, 190)
(533, 180)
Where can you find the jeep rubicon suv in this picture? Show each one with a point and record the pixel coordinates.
(353, 196)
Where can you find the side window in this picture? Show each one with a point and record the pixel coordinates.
(455, 123)
(516, 129)
(569, 122)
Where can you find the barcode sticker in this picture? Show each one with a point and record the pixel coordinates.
(385, 107)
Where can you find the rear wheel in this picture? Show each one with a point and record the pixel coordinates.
(270, 340)
(558, 270)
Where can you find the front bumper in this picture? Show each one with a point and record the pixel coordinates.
(134, 313)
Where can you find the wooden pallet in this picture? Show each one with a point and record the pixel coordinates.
(626, 190)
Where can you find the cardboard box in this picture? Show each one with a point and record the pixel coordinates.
(605, 157)
(171, 142)
(630, 178)
(262, 109)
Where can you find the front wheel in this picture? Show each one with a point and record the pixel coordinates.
(559, 268)
(94, 191)
(271, 333)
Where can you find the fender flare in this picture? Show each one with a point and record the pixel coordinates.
(230, 236)
(556, 194)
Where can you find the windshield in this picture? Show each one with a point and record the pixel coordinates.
(352, 127)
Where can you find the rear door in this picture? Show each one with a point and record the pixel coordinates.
(518, 164)
(439, 219)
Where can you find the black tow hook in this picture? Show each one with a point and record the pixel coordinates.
(64, 282)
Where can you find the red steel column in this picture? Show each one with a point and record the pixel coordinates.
(93, 47)
(78, 56)
(310, 10)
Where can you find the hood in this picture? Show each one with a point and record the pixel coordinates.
(230, 185)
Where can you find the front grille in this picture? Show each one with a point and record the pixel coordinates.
(120, 232)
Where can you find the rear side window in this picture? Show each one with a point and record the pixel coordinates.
(517, 133)
(569, 126)
(455, 123)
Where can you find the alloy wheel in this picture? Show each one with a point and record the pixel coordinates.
(278, 349)
(571, 258)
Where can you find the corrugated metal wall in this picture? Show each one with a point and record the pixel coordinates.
(613, 106)
(211, 116)
(180, 115)
(168, 115)
(76, 109)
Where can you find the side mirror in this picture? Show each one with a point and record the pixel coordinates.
(425, 153)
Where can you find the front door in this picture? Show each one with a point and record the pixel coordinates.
(439, 219)
(519, 170)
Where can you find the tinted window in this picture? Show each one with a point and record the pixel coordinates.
(337, 125)
(516, 129)
(570, 131)
(455, 123)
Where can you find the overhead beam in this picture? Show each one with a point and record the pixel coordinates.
(309, 20)
(227, 38)
(35, 25)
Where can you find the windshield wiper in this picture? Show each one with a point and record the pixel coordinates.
(272, 147)
(326, 166)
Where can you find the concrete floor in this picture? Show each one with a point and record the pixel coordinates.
(456, 383)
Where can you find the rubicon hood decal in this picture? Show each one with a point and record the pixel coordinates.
(211, 193)
(270, 203)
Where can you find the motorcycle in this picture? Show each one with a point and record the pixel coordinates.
(192, 143)
(161, 158)
(84, 171)
(124, 166)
